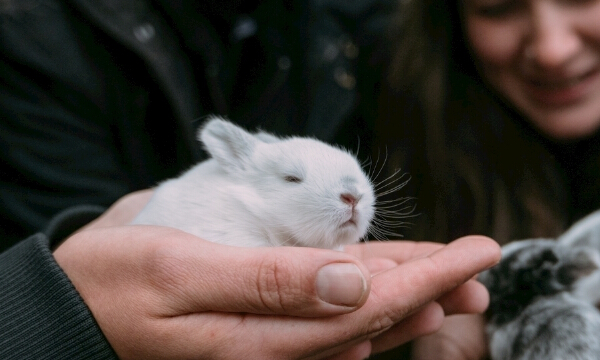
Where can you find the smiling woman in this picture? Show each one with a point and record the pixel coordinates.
(501, 101)
(543, 57)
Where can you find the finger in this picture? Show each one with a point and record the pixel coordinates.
(123, 211)
(291, 281)
(377, 265)
(199, 275)
(427, 320)
(395, 294)
(357, 352)
(402, 290)
(470, 298)
(398, 251)
(462, 337)
(429, 277)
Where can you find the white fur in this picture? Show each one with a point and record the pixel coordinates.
(241, 196)
(586, 233)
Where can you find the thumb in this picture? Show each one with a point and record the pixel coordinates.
(206, 276)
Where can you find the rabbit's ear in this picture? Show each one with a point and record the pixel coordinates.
(227, 143)
(576, 265)
(267, 137)
(585, 232)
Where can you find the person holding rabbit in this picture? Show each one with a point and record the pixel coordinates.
(101, 99)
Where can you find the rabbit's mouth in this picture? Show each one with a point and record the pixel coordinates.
(351, 215)
(351, 228)
(351, 221)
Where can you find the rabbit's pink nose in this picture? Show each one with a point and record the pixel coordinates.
(349, 199)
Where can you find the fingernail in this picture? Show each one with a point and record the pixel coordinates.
(341, 284)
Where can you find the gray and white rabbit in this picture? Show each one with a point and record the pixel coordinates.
(537, 310)
(261, 190)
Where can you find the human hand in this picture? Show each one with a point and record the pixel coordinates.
(161, 293)
(462, 337)
(470, 298)
(123, 211)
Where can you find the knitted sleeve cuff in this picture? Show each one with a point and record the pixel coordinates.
(42, 316)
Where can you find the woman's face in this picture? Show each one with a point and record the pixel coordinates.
(544, 57)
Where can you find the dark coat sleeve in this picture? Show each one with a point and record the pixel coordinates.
(72, 132)
(42, 315)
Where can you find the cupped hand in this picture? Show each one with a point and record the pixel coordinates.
(159, 293)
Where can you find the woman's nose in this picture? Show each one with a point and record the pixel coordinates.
(553, 38)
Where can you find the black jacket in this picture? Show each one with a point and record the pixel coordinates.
(99, 98)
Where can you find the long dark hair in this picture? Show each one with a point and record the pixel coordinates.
(476, 166)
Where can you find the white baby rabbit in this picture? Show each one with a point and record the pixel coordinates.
(261, 190)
